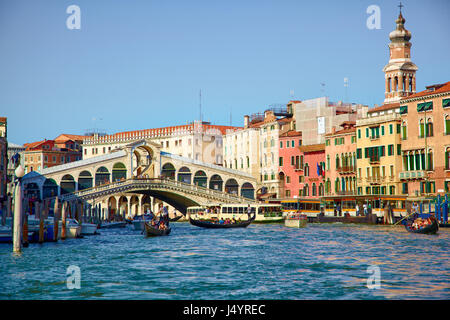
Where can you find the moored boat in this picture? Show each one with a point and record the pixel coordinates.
(88, 229)
(175, 218)
(151, 231)
(296, 220)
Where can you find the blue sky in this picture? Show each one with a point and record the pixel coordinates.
(140, 64)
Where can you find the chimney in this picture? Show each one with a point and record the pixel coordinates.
(333, 130)
(246, 120)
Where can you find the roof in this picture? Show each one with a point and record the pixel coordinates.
(312, 147)
(169, 130)
(36, 144)
(342, 131)
(291, 133)
(385, 107)
(433, 89)
(74, 137)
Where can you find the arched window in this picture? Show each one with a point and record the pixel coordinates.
(447, 158)
(404, 130)
(447, 124)
(314, 190)
(430, 128)
(337, 162)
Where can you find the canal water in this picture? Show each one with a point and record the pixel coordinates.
(322, 261)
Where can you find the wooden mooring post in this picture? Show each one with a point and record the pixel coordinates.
(56, 216)
(40, 210)
(63, 220)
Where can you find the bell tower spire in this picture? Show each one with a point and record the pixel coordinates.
(400, 72)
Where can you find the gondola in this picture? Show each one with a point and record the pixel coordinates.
(211, 225)
(430, 229)
(175, 219)
(155, 232)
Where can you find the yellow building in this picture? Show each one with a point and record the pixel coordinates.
(378, 151)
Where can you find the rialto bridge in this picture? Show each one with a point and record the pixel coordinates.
(138, 177)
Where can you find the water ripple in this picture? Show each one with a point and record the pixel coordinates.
(322, 261)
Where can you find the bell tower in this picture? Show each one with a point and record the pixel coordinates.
(400, 72)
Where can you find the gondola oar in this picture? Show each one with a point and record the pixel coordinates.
(404, 218)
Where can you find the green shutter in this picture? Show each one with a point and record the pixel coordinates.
(425, 106)
(445, 103)
(404, 109)
(382, 130)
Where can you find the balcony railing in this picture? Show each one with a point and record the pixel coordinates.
(376, 180)
(374, 160)
(411, 175)
(346, 169)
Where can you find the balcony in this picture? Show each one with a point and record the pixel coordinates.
(412, 175)
(346, 170)
(376, 180)
(374, 160)
(372, 138)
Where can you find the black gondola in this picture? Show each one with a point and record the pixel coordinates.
(155, 232)
(175, 219)
(430, 229)
(212, 225)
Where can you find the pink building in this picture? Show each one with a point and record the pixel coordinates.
(340, 152)
(313, 171)
(290, 170)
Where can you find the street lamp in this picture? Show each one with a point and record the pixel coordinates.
(17, 231)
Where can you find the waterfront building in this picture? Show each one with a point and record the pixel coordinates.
(340, 163)
(290, 164)
(378, 151)
(255, 148)
(313, 171)
(425, 118)
(241, 149)
(48, 153)
(3, 158)
(199, 140)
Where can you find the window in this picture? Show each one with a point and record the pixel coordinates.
(399, 149)
(359, 133)
(353, 139)
(299, 142)
(280, 161)
(447, 124)
(447, 158)
(288, 193)
(399, 128)
(358, 153)
(367, 132)
(327, 142)
(281, 144)
(404, 130)
(390, 150)
(382, 130)
(391, 128)
(288, 179)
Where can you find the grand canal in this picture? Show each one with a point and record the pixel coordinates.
(322, 261)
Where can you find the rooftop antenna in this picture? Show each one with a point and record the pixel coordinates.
(291, 94)
(322, 90)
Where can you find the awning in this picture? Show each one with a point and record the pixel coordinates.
(425, 106)
(403, 109)
(445, 103)
(267, 195)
